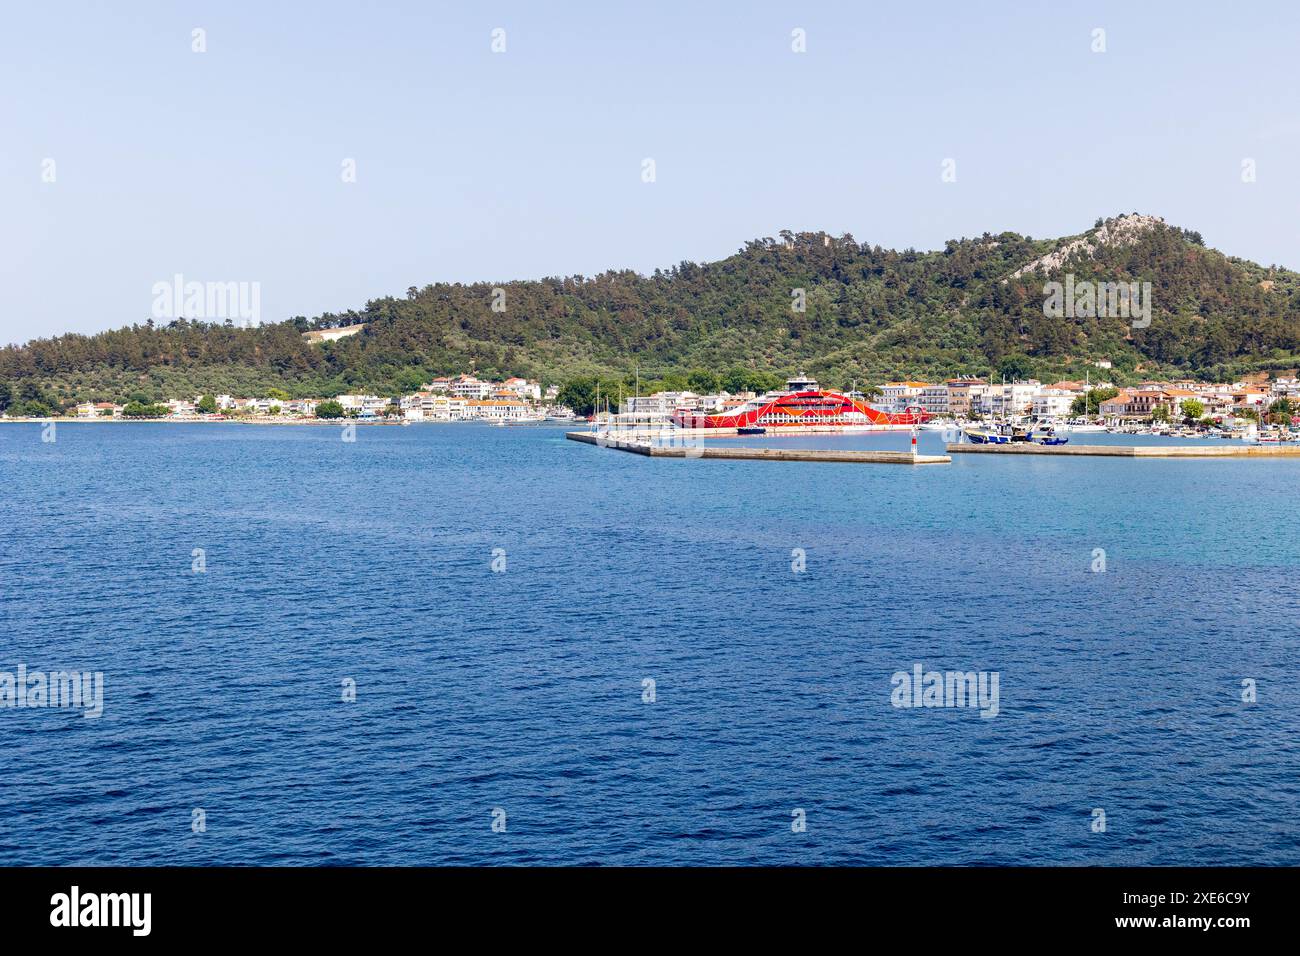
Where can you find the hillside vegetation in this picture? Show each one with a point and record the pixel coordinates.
(871, 313)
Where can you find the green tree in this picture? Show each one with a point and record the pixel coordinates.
(136, 409)
(329, 409)
(1090, 404)
(703, 381)
(279, 394)
(207, 405)
(1016, 368)
(1193, 408)
(32, 408)
(737, 379)
(410, 380)
(579, 394)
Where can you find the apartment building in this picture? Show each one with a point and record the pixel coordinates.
(896, 396)
(960, 391)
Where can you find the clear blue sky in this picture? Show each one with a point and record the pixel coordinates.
(225, 165)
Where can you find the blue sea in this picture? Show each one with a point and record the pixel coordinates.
(564, 654)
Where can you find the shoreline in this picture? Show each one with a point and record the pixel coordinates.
(256, 421)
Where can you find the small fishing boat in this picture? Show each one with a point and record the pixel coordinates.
(998, 434)
(1048, 436)
(751, 430)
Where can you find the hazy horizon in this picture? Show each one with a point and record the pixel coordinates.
(227, 165)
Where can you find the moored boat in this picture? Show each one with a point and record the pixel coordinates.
(1003, 433)
(1047, 436)
(802, 403)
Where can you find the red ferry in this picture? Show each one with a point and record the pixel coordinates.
(803, 403)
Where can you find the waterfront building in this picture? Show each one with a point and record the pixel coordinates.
(1140, 403)
(467, 386)
(412, 406)
(896, 396)
(496, 409)
(365, 405)
(522, 388)
(677, 400)
(99, 410)
(1114, 406)
(1052, 402)
(438, 408)
(959, 394)
(649, 406)
(934, 399)
(1005, 400)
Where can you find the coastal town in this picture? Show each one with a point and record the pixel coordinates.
(448, 399)
(514, 400)
(977, 398)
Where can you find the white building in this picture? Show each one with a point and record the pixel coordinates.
(896, 396)
(467, 386)
(99, 410)
(1014, 398)
(934, 399)
(653, 405)
(497, 409)
(412, 406)
(1053, 403)
(363, 404)
(522, 388)
(676, 400)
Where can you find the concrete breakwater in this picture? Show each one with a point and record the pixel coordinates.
(756, 454)
(1132, 451)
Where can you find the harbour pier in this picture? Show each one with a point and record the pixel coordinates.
(641, 447)
(1131, 451)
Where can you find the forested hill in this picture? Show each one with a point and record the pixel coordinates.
(871, 313)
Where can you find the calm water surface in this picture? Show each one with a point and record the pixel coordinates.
(523, 690)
